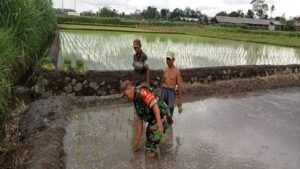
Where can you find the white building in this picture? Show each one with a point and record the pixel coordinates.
(73, 14)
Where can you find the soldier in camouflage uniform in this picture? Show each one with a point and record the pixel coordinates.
(149, 109)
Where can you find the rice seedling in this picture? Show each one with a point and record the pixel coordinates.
(159, 136)
(67, 65)
(79, 66)
(47, 63)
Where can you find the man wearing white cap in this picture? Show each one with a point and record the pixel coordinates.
(171, 79)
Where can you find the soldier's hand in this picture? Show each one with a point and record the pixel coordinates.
(160, 127)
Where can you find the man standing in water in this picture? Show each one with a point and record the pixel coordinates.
(149, 109)
(171, 79)
(140, 64)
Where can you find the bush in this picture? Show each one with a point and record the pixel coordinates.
(289, 26)
(88, 19)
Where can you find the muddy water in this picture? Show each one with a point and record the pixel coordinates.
(259, 131)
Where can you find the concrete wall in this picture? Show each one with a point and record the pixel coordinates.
(102, 83)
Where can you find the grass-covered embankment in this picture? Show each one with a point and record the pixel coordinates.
(116, 21)
(25, 30)
(104, 28)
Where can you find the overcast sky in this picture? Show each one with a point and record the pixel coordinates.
(209, 7)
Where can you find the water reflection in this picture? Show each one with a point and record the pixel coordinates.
(258, 131)
(113, 50)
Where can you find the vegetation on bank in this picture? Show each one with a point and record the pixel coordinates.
(116, 21)
(25, 30)
(104, 28)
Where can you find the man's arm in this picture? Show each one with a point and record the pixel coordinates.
(178, 82)
(138, 133)
(157, 117)
(148, 76)
(146, 67)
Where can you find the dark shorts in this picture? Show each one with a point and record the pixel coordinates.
(168, 95)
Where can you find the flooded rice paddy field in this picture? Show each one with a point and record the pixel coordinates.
(102, 50)
(257, 130)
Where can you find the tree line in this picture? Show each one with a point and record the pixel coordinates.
(260, 9)
(150, 13)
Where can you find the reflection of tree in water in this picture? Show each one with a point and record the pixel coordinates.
(252, 53)
(297, 52)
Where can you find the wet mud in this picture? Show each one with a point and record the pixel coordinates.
(257, 130)
(222, 126)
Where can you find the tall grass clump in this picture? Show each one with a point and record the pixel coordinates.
(26, 26)
(32, 23)
(8, 55)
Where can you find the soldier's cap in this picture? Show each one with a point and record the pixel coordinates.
(124, 86)
(171, 55)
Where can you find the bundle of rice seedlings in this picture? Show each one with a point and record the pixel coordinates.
(67, 64)
(79, 66)
(46, 63)
(159, 136)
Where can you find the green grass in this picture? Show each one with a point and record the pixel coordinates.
(8, 58)
(25, 30)
(104, 28)
(116, 21)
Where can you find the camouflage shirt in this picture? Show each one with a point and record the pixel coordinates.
(144, 100)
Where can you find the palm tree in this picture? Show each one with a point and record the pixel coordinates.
(272, 10)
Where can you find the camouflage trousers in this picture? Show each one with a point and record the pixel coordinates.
(152, 143)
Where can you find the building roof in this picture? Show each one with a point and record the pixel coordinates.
(189, 19)
(238, 20)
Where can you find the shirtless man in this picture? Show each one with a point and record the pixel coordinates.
(171, 79)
